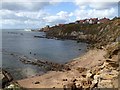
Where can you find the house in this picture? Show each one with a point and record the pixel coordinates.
(95, 20)
(80, 21)
(92, 21)
(88, 21)
(103, 20)
(61, 25)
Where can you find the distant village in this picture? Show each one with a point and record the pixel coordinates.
(84, 21)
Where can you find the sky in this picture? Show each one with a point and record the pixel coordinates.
(21, 14)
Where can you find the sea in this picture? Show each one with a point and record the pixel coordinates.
(22, 43)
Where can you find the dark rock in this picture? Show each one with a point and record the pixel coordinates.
(11, 54)
(64, 79)
(74, 80)
(37, 82)
(84, 76)
(113, 64)
(7, 77)
(80, 69)
(39, 36)
(86, 83)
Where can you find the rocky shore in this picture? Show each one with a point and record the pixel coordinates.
(5, 78)
(92, 70)
(98, 68)
(47, 65)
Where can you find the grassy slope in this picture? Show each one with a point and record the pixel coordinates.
(98, 34)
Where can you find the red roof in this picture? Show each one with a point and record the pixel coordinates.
(103, 20)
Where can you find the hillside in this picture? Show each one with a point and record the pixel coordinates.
(97, 34)
(97, 68)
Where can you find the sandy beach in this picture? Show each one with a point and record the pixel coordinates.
(80, 66)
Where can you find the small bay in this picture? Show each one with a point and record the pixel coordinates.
(23, 43)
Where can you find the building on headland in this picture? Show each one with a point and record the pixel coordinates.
(84, 21)
(92, 21)
(87, 21)
(61, 25)
(80, 22)
(103, 20)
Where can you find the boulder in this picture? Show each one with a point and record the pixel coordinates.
(78, 86)
(111, 64)
(105, 84)
(64, 79)
(6, 77)
(94, 84)
(37, 82)
(81, 69)
(109, 76)
(69, 86)
(86, 83)
(73, 80)
(97, 77)
(88, 75)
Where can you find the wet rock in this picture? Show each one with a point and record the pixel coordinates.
(11, 54)
(39, 36)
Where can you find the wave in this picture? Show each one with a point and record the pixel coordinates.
(27, 29)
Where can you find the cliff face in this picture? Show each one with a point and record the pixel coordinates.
(96, 34)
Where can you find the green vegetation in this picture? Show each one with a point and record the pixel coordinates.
(97, 34)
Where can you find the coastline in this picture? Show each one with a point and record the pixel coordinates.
(92, 64)
(98, 68)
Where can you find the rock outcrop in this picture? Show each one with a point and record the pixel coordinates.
(97, 34)
(100, 77)
(5, 78)
(85, 73)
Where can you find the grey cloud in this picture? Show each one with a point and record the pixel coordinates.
(102, 5)
(24, 6)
